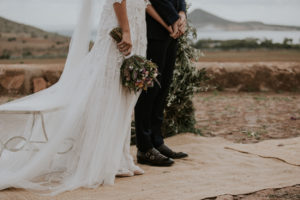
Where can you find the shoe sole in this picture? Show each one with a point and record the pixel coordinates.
(180, 157)
(146, 162)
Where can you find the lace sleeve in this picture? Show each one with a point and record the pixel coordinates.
(147, 2)
(116, 1)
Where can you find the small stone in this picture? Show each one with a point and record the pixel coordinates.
(52, 77)
(293, 118)
(225, 197)
(39, 84)
(13, 82)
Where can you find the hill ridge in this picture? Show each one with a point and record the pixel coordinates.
(18, 41)
(10, 26)
(202, 19)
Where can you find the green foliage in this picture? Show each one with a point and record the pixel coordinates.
(6, 54)
(249, 43)
(11, 39)
(34, 34)
(26, 53)
(187, 80)
(59, 42)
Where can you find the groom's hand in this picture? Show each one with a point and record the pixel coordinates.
(175, 28)
(182, 23)
(179, 27)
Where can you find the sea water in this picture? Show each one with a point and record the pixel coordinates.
(276, 36)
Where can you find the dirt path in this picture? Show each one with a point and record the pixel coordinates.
(257, 55)
(287, 193)
(248, 117)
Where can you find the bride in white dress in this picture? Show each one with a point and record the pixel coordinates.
(77, 132)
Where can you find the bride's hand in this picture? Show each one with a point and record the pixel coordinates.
(125, 46)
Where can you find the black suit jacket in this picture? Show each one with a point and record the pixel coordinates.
(168, 10)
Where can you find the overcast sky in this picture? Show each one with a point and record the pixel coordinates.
(58, 14)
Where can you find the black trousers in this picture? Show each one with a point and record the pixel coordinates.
(149, 110)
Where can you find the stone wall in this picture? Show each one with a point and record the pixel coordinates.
(25, 79)
(254, 76)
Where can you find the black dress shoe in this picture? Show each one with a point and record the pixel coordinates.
(154, 158)
(166, 151)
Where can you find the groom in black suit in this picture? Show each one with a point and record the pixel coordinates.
(149, 110)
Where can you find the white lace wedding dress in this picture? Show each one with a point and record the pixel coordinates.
(77, 132)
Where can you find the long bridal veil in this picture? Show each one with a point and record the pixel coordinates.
(41, 135)
(79, 46)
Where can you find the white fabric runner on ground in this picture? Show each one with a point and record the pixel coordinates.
(211, 170)
(287, 150)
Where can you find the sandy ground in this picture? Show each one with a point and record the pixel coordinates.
(243, 118)
(28, 45)
(34, 61)
(258, 55)
(248, 117)
(287, 193)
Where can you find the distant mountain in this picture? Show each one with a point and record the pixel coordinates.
(8, 26)
(23, 41)
(205, 20)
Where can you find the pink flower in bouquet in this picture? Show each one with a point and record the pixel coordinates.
(138, 82)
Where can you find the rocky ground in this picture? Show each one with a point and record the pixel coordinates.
(250, 118)
(288, 193)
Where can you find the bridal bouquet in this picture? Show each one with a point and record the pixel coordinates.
(137, 73)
